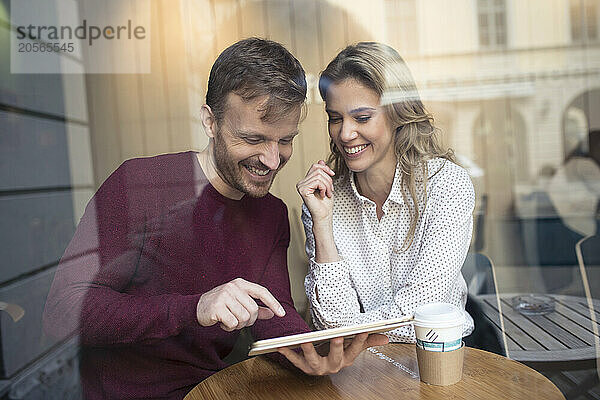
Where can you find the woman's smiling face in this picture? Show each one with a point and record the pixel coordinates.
(359, 126)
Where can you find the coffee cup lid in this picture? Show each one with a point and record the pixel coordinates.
(438, 315)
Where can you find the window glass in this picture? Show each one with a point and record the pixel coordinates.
(513, 88)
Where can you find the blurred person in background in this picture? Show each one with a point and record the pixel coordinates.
(575, 187)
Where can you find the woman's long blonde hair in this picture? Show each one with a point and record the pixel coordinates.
(380, 67)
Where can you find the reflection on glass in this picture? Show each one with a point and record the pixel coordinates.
(514, 87)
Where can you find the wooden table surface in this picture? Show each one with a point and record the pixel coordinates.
(384, 372)
(564, 335)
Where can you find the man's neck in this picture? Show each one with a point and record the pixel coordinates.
(209, 167)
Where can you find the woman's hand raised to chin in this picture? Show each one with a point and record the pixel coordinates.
(316, 190)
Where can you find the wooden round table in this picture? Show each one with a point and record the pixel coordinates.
(384, 372)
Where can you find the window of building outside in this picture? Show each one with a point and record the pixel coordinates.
(584, 20)
(401, 26)
(492, 23)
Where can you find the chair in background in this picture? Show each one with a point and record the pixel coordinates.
(478, 273)
(588, 258)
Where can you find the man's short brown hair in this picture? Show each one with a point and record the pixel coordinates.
(256, 67)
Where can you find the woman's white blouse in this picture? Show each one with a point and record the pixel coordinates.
(378, 279)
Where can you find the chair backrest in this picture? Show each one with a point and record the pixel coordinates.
(588, 250)
(477, 271)
(588, 257)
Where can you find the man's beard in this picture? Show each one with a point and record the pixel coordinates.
(231, 172)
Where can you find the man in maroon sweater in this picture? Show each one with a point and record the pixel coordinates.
(176, 253)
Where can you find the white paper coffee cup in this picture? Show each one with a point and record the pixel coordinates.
(440, 351)
(439, 327)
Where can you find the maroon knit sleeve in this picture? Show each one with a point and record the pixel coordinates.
(101, 259)
(277, 280)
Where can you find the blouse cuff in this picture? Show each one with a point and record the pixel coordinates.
(330, 269)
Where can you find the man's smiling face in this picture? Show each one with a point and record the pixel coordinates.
(249, 151)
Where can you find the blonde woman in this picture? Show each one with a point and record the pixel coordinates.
(388, 218)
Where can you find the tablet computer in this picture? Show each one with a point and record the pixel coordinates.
(271, 345)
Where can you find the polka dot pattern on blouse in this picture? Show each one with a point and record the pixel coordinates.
(379, 279)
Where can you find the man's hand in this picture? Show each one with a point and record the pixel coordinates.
(339, 357)
(232, 305)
